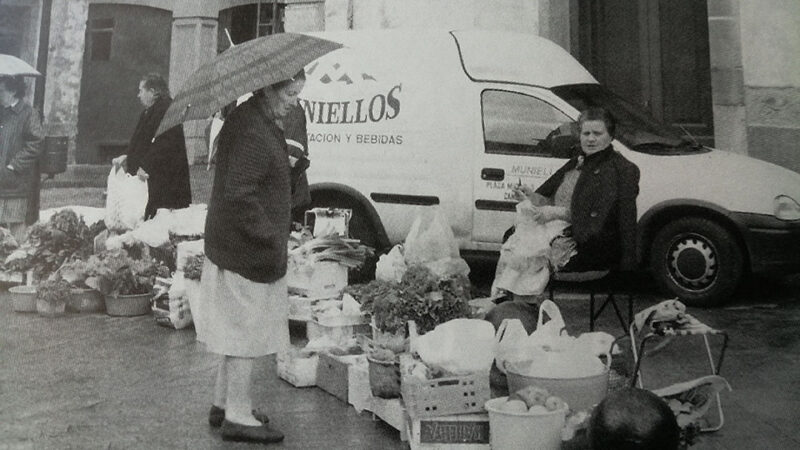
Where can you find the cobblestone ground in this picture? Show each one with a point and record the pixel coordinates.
(95, 381)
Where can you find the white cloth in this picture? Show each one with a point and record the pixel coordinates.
(235, 316)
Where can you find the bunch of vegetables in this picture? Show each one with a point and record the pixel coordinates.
(53, 291)
(116, 273)
(347, 252)
(7, 244)
(421, 296)
(48, 245)
(193, 267)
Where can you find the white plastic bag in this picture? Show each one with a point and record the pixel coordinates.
(460, 346)
(391, 266)
(524, 264)
(510, 343)
(430, 238)
(126, 199)
(551, 334)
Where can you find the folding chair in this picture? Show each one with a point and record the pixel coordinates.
(594, 283)
(648, 332)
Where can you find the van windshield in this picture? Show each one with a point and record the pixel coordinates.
(635, 128)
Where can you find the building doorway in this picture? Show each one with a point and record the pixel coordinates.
(123, 43)
(654, 53)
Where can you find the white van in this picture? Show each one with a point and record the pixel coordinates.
(403, 118)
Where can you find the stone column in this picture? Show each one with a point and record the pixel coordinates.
(194, 41)
(64, 70)
(304, 15)
(727, 81)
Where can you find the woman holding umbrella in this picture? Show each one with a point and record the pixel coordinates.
(242, 311)
(21, 138)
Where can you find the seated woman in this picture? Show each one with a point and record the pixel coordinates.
(597, 191)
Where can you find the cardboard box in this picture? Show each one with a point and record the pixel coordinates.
(299, 372)
(392, 412)
(333, 374)
(324, 279)
(458, 432)
(358, 391)
(338, 331)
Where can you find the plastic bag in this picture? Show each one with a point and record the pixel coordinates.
(551, 334)
(460, 346)
(126, 199)
(391, 266)
(430, 238)
(524, 264)
(510, 343)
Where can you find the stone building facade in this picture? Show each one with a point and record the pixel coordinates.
(753, 73)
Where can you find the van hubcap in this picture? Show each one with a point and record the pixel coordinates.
(692, 262)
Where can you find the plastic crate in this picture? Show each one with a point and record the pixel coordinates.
(462, 394)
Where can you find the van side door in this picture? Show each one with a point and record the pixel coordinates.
(525, 140)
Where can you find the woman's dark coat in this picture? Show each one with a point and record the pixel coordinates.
(247, 226)
(603, 210)
(164, 159)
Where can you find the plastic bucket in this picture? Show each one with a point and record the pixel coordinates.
(579, 393)
(518, 430)
(128, 305)
(23, 298)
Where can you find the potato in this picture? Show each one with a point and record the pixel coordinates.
(532, 395)
(554, 403)
(516, 406)
(537, 409)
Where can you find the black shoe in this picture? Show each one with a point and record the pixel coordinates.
(247, 433)
(216, 415)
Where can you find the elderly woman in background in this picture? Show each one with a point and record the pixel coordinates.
(162, 160)
(242, 312)
(21, 138)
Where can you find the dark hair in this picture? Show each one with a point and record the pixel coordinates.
(632, 419)
(301, 75)
(157, 83)
(15, 85)
(597, 113)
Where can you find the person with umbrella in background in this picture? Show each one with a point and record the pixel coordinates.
(242, 310)
(21, 139)
(161, 160)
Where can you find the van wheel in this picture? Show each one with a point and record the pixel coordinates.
(360, 228)
(697, 260)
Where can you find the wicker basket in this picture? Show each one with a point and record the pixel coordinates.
(384, 378)
(86, 301)
(445, 396)
(128, 305)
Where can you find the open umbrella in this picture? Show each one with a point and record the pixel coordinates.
(244, 68)
(13, 66)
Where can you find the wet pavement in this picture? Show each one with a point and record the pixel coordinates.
(88, 381)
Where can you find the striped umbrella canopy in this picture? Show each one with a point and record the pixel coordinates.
(243, 68)
(13, 66)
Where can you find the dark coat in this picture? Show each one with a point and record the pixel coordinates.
(603, 210)
(163, 159)
(21, 139)
(295, 129)
(247, 226)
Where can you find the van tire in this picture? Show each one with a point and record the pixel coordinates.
(361, 228)
(697, 260)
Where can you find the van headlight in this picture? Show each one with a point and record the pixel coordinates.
(786, 208)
